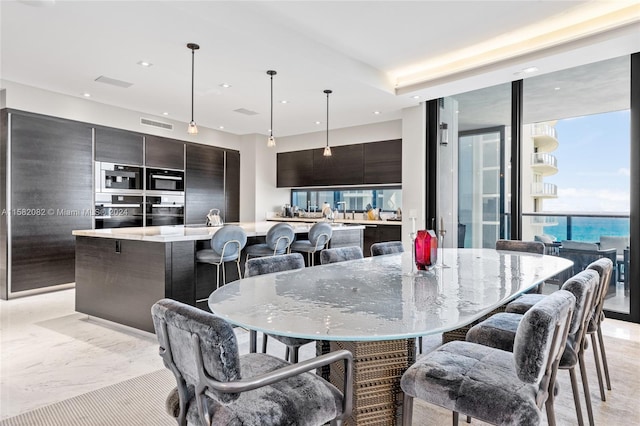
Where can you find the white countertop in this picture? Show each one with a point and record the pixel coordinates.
(364, 222)
(167, 234)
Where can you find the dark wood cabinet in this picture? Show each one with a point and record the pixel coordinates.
(383, 162)
(204, 182)
(379, 234)
(164, 153)
(343, 167)
(358, 164)
(295, 168)
(232, 186)
(119, 280)
(51, 195)
(118, 146)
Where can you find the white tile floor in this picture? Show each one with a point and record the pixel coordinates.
(50, 353)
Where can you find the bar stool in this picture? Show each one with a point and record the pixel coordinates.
(277, 241)
(226, 246)
(319, 235)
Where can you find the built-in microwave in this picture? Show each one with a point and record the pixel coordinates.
(165, 180)
(118, 178)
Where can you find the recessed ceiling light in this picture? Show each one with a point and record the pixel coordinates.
(284, 102)
(165, 113)
(221, 127)
(529, 70)
(86, 95)
(145, 64)
(317, 122)
(376, 112)
(415, 97)
(225, 85)
(556, 88)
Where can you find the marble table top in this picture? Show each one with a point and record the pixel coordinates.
(166, 234)
(377, 298)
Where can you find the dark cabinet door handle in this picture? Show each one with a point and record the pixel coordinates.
(118, 248)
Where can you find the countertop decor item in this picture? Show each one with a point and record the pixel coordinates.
(426, 245)
(213, 218)
(192, 129)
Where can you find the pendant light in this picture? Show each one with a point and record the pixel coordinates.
(192, 129)
(327, 149)
(271, 142)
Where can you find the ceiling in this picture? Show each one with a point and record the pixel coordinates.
(376, 56)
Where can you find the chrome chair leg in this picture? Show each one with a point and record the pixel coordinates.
(264, 343)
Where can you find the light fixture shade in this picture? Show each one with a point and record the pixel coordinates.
(271, 142)
(192, 129)
(327, 151)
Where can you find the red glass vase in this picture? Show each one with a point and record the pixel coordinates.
(426, 246)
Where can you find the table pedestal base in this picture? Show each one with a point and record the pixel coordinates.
(378, 367)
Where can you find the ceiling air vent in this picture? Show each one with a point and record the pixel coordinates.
(245, 111)
(114, 82)
(155, 123)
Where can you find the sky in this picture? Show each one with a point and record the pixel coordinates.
(593, 164)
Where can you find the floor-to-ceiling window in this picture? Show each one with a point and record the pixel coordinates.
(577, 144)
(576, 163)
(478, 158)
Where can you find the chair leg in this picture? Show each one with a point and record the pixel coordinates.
(468, 419)
(253, 341)
(576, 395)
(596, 358)
(238, 266)
(604, 358)
(294, 354)
(264, 343)
(224, 278)
(420, 344)
(407, 410)
(585, 388)
(287, 354)
(551, 415)
(456, 418)
(217, 276)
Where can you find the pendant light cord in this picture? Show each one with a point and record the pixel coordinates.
(193, 55)
(271, 126)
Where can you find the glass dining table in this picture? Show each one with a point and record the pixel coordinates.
(377, 306)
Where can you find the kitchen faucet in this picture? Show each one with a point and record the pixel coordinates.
(344, 208)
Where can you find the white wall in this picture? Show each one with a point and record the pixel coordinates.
(413, 170)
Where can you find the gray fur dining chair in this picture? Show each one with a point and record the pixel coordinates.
(270, 265)
(340, 254)
(499, 331)
(493, 385)
(217, 386)
(387, 247)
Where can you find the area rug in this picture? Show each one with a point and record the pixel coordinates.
(138, 402)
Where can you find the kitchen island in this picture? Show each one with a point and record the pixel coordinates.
(122, 272)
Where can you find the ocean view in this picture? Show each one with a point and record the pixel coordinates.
(588, 229)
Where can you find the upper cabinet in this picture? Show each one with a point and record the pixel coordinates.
(343, 167)
(164, 153)
(383, 162)
(295, 168)
(358, 164)
(118, 146)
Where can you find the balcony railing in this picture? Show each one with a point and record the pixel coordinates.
(545, 159)
(543, 189)
(544, 130)
(587, 227)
